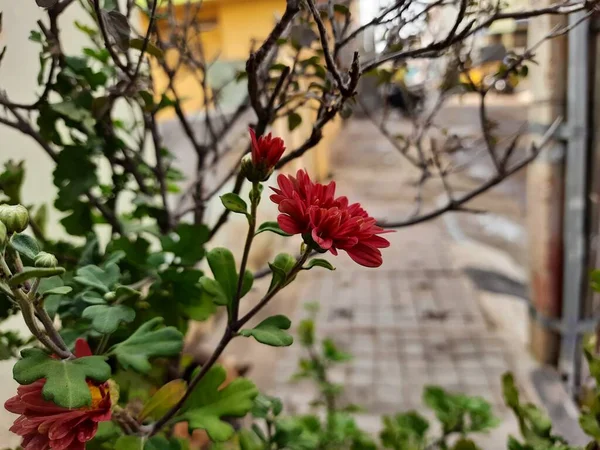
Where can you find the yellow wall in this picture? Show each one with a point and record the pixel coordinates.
(241, 24)
(243, 21)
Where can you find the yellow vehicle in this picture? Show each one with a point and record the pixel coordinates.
(487, 71)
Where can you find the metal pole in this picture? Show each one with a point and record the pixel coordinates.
(576, 198)
(545, 185)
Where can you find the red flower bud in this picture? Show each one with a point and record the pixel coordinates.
(266, 153)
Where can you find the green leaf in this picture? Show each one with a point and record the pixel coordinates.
(509, 391)
(101, 279)
(117, 27)
(208, 405)
(540, 422)
(106, 318)
(162, 443)
(222, 264)
(342, 9)
(124, 293)
(163, 400)
(46, 3)
(294, 120)
(34, 272)
(332, 353)
(589, 425)
(65, 379)
(53, 286)
(247, 283)
(92, 297)
(271, 332)
(130, 443)
(214, 290)
(281, 266)
(465, 444)
(25, 245)
(234, 203)
(273, 227)
(249, 440)
(318, 262)
(187, 243)
(151, 48)
(147, 342)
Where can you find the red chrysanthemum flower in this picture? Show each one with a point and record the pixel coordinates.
(44, 425)
(350, 229)
(266, 152)
(311, 209)
(296, 195)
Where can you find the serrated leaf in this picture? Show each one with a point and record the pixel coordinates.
(29, 273)
(271, 332)
(281, 266)
(208, 404)
(222, 265)
(148, 341)
(65, 379)
(273, 227)
(294, 120)
(234, 203)
(25, 245)
(318, 262)
(97, 278)
(163, 400)
(107, 318)
(151, 48)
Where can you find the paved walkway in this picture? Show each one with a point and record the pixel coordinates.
(416, 321)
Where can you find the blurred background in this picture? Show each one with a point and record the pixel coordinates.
(466, 293)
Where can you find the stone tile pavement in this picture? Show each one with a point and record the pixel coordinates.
(416, 321)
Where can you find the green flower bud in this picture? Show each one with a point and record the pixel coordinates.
(254, 173)
(15, 217)
(3, 234)
(44, 259)
(110, 296)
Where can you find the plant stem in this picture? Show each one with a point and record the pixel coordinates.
(269, 296)
(228, 335)
(5, 267)
(53, 333)
(254, 200)
(34, 288)
(102, 344)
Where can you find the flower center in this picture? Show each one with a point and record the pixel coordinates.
(97, 393)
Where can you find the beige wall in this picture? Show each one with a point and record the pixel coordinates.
(18, 74)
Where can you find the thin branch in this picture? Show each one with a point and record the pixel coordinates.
(470, 28)
(457, 204)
